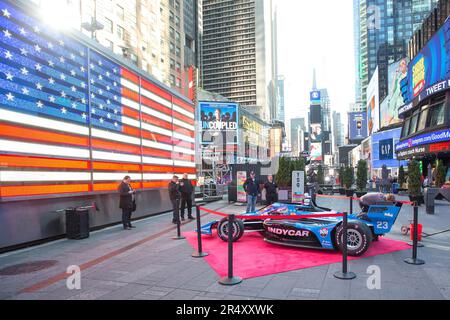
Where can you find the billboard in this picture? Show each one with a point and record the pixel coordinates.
(429, 67)
(85, 118)
(386, 149)
(424, 139)
(357, 122)
(219, 117)
(315, 114)
(241, 194)
(316, 132)
(389, 108)
(383, 151)
(373, 104)
(315, 152)
(315, 97)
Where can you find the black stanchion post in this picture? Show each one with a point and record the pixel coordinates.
(344, 274)
(199, 253)
(351, 205)
(179, 236)
(230, 280)
(414, 259)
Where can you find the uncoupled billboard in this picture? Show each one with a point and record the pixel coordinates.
(216, 118)
(429, 67)
(357, 122)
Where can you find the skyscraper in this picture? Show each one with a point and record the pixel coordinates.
(158, 36)
(297, 124)
(238, 56)
(281, 107)
(384, 28)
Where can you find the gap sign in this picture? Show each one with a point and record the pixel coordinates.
(386, 149)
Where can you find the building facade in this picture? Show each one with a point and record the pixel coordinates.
(425, 133)
(238, 53)
(385, 28)
(158, 36)
(297, 125)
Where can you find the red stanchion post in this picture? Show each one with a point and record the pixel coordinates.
(414, 260)
(344, 274)
(199, 253)
(230, 280)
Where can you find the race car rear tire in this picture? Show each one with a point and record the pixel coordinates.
(359, 237)
(238, 229)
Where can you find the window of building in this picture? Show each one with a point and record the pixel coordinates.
(120, 12)
(172, 79)
(405, 131)
(423, 119)
(178, 84)
(109, 25)
(178, 67)
(172, 64)
(437, 117)
(413, 124)
(120, 33)
(178, 52)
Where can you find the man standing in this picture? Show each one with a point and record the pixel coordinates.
(271, 190)
(251, 187)
(175, 195)
(186, 196)
(127, 202)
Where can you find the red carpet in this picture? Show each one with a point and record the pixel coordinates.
(253, 257)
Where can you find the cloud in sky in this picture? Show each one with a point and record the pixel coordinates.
(316, 34)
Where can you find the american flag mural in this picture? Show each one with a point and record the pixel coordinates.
(74, 121)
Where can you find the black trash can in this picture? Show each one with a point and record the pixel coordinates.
(77, 223)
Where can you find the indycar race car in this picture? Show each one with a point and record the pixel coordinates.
(320, 232)
(257, 225)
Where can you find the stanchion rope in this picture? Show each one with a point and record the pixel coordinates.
(357, 199)
(284, 217)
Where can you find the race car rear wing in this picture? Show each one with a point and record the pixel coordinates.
(383, 217)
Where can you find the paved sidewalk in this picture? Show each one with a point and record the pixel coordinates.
(147, 264)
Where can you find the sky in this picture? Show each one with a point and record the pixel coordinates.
(316, 34)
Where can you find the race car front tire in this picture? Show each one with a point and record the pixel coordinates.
(359, 237)
(237, 229)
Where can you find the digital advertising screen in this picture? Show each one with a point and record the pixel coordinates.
(357, 122)
(389, 110)
(373, 104)
(217, 118)
(386, 149)
(317, 134)
(73, 106)
(316, 114)
(315, 97)
(429, 67)
(383, 149)
(315, 152)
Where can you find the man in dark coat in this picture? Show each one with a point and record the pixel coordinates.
(175, 195)
(127, 202)
(251, 187)
(186, 189)
(271, 190)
